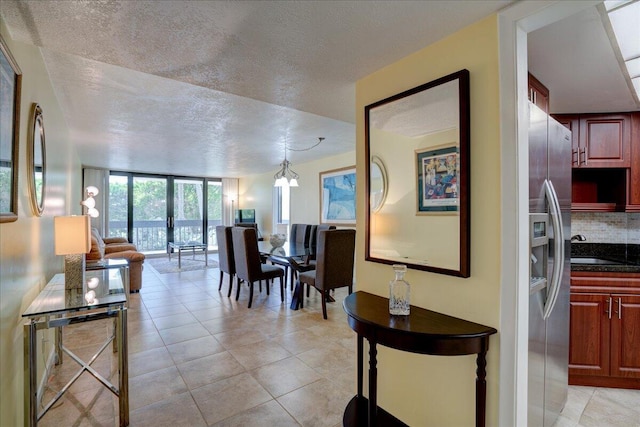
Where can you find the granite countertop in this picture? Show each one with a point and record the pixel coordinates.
(626, 257)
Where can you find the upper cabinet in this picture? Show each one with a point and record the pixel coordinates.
(599, 140)
(606, 161)
(633, 183)
(538, 94)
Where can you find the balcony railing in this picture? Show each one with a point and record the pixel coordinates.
(151, 235)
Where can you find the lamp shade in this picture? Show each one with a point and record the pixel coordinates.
(72, 234)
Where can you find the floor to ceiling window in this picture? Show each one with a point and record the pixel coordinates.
(153, 210)
(214, 211)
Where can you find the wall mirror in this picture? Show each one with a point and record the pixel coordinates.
(10, 82)
(36, 160)
(422, 136)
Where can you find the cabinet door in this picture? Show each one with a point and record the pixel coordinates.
(572, 122)
(589, 334)
(538, 94)
(625, 336)
(606, 140)
(633, 197)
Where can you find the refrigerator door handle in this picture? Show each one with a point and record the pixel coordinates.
(558, 241)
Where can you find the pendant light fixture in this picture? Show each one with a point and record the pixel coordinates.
(287, 177)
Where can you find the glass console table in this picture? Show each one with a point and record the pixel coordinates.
(103, 295)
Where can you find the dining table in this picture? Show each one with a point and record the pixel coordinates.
(290, 251)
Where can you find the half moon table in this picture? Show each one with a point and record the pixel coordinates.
(422, 331)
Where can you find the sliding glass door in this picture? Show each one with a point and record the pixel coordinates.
(152, 210)
(188, 210)
(214, 211)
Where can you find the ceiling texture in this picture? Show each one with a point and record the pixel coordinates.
(218, 88)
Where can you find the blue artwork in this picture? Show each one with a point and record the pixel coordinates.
(338, 196)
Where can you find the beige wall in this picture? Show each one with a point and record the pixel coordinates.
(256, 191)
(26, 246)
(429, 390)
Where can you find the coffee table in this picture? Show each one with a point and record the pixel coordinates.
(188, 246)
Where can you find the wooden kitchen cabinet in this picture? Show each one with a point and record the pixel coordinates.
(604, 343)
(605, 141)
(599, 140)
(538, 94)
(625, 336)
(605, 161)
(633, 183)
(589, 335)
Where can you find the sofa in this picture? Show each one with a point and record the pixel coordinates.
(118, 247)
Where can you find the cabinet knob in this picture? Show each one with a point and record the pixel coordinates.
(619, 309)
(582, 156)
(574, 157)
(607, 309)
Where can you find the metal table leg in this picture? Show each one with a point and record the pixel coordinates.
(123, 386)
(31, 368)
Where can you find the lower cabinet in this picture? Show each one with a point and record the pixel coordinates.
(605, 340)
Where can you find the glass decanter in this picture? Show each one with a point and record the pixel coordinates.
(399, 290)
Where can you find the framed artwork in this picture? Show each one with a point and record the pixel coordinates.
(338, 196)
(10, 84)
(438, 170)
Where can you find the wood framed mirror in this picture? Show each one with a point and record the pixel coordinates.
(36, 160)
(423, 137)
(11, 82)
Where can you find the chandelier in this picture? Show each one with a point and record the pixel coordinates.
(287, 177)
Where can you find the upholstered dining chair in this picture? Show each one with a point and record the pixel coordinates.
(310, 262)
(334, 264)
(248, 265)
(226, 260)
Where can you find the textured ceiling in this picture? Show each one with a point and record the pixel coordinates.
(216, 88)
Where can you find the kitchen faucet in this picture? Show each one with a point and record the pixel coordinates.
(578, 237)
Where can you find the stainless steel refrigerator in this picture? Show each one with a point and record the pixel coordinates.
(550, 231)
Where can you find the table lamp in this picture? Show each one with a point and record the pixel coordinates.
(73, 240)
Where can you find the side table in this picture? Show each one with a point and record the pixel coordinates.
(56, 307)
(424, 332)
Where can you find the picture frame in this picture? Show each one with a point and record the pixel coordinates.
(338, 196)
(10, 87)
(437, 174)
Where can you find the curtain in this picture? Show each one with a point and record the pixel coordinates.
(229, 199)
(98, 178)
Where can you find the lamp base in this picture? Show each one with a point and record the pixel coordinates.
(74, 266)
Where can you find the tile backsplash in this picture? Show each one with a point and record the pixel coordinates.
(610, 227)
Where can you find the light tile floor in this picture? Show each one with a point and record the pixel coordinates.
(600, 407)
(198, 358)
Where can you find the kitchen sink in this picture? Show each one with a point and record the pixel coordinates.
(594, 261)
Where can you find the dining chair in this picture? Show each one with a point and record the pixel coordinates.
(226, 260)
(310, 262)
(300, 234)
(334, 265)
(248, 265)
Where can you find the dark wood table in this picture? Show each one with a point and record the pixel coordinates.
(424, 332)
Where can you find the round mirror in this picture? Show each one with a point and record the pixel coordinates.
(36, 160)
(378, 184)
